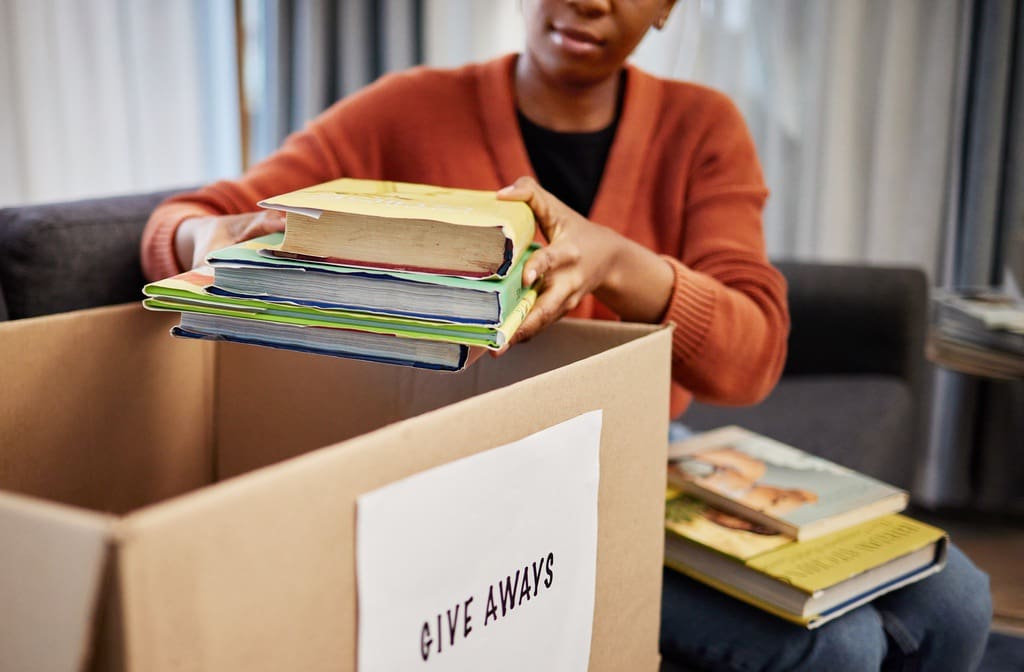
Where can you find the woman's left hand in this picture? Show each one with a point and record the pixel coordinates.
(578, 259)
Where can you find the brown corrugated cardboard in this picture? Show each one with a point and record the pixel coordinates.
(51, 571)
(163, 564)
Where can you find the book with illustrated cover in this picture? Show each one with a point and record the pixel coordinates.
(805, 582)
(402, 226)
(400, 340)
(775, 485)
(247, 270)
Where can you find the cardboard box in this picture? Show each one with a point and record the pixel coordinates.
(169, 505)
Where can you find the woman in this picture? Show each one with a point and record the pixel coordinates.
(650, 195)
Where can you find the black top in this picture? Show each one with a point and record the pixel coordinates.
(569, 165)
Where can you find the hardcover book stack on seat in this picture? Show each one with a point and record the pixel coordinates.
(382, 271)
(793, 534)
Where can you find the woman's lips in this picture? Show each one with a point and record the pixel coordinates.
(576, 42)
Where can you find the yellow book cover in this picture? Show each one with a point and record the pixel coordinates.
(815, 565)
(400, 225)
(810, 582)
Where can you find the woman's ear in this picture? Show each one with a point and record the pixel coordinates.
(659, 22)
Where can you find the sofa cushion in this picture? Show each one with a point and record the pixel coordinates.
(66, 256)
(862, 422)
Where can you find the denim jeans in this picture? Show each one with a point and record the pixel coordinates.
(939, 623)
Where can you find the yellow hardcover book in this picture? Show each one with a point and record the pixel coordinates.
(810, 582)
(402, 226)
(816, 565)
(810, 622)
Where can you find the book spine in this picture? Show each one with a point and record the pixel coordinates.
(515, 318)
(508, 298)
(508, 257)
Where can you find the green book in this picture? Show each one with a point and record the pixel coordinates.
(188, 293)
(249, 270)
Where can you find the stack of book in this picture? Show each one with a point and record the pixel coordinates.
(382, 271)
(979, 332)
(793, 534)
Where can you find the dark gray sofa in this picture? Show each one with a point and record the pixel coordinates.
(66, 256)
(852, 389)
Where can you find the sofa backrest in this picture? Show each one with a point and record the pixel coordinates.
(856, 319)
(66, 256)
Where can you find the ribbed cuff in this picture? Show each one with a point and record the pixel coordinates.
(690, 309)
(159, 259)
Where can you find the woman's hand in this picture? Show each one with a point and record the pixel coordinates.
(578, 257)
(196, 237)
(584, 257)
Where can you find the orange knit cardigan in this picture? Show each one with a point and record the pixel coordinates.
(682, 178)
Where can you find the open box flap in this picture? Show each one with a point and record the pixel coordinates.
(52, 562)
(258, 572)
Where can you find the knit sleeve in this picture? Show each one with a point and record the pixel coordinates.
(728, 303)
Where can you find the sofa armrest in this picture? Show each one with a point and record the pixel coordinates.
(3, 305)
(856, 320)
(65, 256)
(854, 387)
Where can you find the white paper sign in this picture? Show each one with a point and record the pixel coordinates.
(486, 563)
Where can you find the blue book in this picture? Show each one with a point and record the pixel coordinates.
(249, 270)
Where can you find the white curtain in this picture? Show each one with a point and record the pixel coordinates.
(115, 96)
(302, 55)
(461, 31)
(850, 103)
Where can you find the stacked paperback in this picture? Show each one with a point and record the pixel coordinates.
(979, 332)
(381, 271)
(793, 534)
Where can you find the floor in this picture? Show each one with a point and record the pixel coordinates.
(996, 546)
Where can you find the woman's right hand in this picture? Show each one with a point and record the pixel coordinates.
(196, 237)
